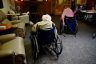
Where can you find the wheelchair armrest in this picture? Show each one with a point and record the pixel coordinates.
(7, 37)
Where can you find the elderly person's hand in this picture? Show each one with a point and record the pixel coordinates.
(31, 23)
(62, 21)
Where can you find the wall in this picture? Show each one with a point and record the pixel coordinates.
(60, 1)
(46, 7)
(90, 4)
(41, 7)
(60, 4)
(12, 2)
(81, 2)
(5, 6)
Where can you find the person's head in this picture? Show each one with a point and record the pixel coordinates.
(93, 8)
(46, 17)
(81, 7)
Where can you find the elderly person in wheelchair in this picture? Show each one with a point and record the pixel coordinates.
(45, 35)
(45, 24)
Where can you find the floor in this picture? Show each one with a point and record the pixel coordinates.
(76, 50)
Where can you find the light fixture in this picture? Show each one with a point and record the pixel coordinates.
(40, 0)
(21, 0)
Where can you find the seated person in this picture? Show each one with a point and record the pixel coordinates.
(45, 24)
(67, 12)
(66, 15)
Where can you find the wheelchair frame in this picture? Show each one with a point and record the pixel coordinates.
(55, 46)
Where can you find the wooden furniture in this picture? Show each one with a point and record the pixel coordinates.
(5, 26)
(89, 16)
(59, 7)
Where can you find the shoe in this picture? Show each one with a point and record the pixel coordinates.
(94, 35)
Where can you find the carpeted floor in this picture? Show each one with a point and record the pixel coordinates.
(76, 50)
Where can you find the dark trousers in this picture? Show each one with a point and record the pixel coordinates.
(70, 25)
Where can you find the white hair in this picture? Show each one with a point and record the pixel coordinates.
(46, 17)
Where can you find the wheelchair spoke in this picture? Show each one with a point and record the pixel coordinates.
(58, 45)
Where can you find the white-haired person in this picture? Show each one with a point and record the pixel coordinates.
(44, 36)
(45, 24)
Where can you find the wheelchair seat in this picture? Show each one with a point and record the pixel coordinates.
(71, 25)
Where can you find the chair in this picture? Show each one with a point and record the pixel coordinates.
(12, 49)
(18, 26)
(46, 40)
(70, 25)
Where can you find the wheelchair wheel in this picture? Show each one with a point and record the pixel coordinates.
(35, 49)
(58, 45)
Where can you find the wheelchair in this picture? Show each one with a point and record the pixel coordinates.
(70, 27)
(46, 39)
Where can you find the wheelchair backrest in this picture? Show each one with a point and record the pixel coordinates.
(46, 36)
